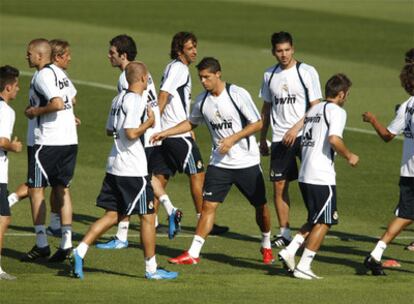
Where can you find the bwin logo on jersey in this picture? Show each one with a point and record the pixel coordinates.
(63, 83)
(226, 124)
(290, 99)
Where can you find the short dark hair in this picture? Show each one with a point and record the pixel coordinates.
(210, 63)
(8, 75)
(124, 44)
(409, 56)
(407, 78)
(280, 37)
(178, 41)
(335, 84)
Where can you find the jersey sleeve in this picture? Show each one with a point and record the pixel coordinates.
(175, 77)
(265, 90)
(398, 124)
(109, 120)
(313, 84)
(196, 117)
(46, 84)
(122, 82)
(134, 110)
(72, 90)
(6, 123)
(246, 105)
(336, 117)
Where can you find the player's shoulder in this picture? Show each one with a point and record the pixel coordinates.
(199, 98)
(6, 110)
(269, 70)
(236, 90)
(334, 109)
(307, 68)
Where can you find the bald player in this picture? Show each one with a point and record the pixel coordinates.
(52, 133)
(126, 189)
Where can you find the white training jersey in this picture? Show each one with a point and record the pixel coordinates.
(287, 95)
(226, 115)
(176, 81)
(322, 120)
(404, 123)
(150, 95)
(7, 118)
(56, 128)
(127, 157)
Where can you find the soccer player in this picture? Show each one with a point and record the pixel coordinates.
(232, 119)
(180, 152)
(324, 124)
(402, 123)
(55, 147)
(288, 90)
(9, 86)
(127, 189)
(122, 51)
(61, 57)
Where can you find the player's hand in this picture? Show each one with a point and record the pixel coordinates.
(151, 116)
(353, 160)
(193, 136)
(157, 137)
(263, 147)
(78, 121)
(225, 145)
(368, 117)
(290, 137)
(16, 145)
(30, 112)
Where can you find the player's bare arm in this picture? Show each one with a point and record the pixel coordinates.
(134, 133)
(54, 105)
(183, 127)
(339, 146)
(263, 147)
(14, 145)
(381, 130)
(163, 97)
(225, 144)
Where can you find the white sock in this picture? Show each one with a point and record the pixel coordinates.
(306, 259)
(285, 232)
(378, 250)
(295, 244)
(54, 220)
(82, 249)
(196, 246)
(122, 233)
(266, 240)
(150, 265)
(66, 241)
(13, 199)
(168, 206)
(41, 237)
(1, 270)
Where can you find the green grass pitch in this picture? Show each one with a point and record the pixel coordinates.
(365, 39)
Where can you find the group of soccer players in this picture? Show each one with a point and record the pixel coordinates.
(153, 139)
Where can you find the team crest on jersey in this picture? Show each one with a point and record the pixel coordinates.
(199, 164)
(335, 215)
(285, 87)
(218, 115)
(151, 205)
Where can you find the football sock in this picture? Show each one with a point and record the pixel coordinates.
(150, 265)
(122, 233)
(285, 232)
(54, 220)
(306, 259)
(13, 199)
(168, 206)
(41, 237)
(295, 244)
(82, 249)
(196, 246)
(266, 240)
(66, 241)
(156, 221)
(378, 250)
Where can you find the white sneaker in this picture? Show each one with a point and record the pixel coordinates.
(6, 276)
(305, 274)
(287, 259)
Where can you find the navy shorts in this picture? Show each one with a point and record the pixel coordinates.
(178, 154)
(126, 195)
(52, 165)
(283, 164)
(320, 201)
(249, 181)
(4, 202)
(405, 207)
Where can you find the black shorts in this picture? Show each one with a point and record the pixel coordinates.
(52, 165)
(4, 202)
(178, 154)
(249, 181)
(126, 195)
(30, 159)
(320, 201)
(405, 207)
(153, 155)
(283, 161)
